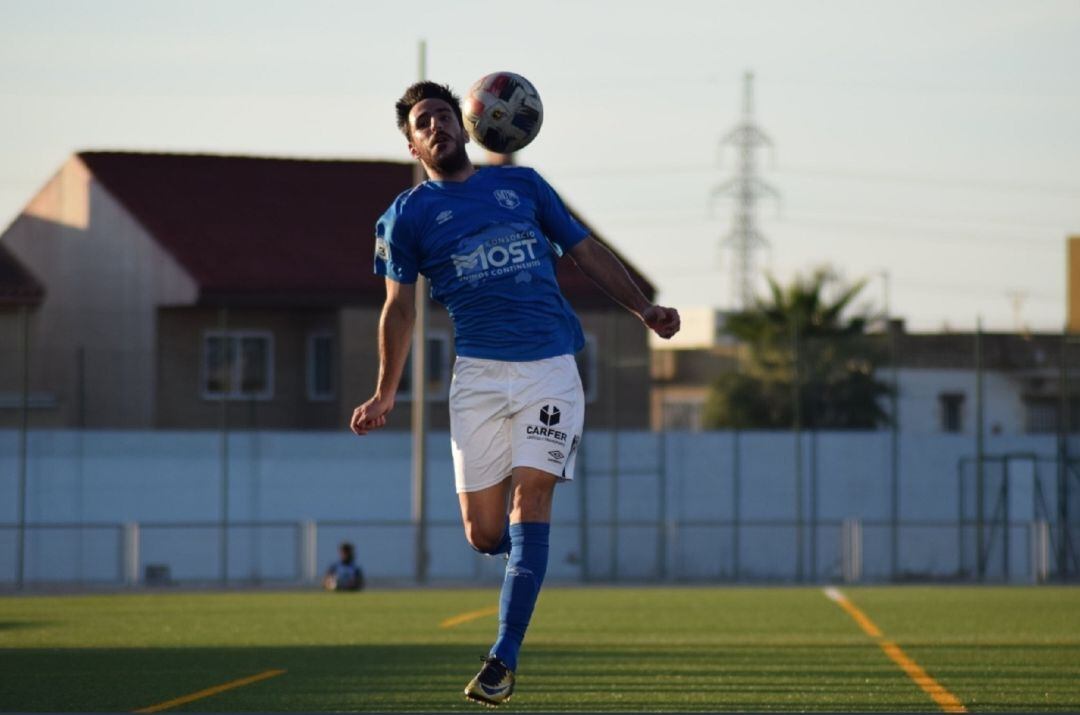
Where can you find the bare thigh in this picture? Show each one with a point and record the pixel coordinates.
(527, 493)
(483, 514)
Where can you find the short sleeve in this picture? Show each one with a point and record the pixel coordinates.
(395, 247)
(555, 220)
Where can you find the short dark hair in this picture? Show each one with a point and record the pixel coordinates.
(419, 92)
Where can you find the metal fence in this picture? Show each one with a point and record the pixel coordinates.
(1007, 406)
(155, 554)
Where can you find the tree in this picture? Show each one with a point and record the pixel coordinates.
(806, 360)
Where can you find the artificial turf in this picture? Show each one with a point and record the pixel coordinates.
(589, 649)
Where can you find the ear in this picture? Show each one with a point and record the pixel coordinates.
(412, 150)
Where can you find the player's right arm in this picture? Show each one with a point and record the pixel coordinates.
(395, 334)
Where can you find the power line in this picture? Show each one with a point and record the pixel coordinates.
(930, 181)
(953, 230)
(943, 288)
(647, 171)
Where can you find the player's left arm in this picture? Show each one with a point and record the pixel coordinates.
(608, 272)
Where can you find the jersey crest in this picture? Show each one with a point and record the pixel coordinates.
(507, 198)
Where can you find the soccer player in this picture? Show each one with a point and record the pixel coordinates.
(487, 239)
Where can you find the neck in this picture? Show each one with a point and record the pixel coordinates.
(461, 174)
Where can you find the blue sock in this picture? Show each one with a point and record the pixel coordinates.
(524, 574)
(503, 546)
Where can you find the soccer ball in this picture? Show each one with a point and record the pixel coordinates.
(503, 112)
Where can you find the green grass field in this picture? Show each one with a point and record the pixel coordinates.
(595, 649)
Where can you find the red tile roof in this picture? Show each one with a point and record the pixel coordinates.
(262, 231)
(17, 285)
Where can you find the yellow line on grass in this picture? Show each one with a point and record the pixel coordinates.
(184, 699)
(946, 701)
(468, 616)
(859, 617)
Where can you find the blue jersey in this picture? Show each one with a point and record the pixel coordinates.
(488, 245)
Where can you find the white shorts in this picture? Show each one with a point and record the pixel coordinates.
(514, 414)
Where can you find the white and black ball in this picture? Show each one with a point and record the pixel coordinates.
(503, 112)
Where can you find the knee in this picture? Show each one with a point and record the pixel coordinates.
(484, 539)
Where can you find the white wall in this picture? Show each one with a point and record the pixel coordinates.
(685, 482)
(920, 405)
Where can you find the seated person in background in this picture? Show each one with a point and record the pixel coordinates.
(344, 574)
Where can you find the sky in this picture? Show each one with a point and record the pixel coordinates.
(930, 148)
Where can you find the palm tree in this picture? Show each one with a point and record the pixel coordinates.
(806, 361)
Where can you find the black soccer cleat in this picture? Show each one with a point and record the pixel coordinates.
(493, 685)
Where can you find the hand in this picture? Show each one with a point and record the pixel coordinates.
(370, 415)
(662, 321)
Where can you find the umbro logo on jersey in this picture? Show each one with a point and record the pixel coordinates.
(444, 216)
(556, 454)
(549, 415)
(507, 198)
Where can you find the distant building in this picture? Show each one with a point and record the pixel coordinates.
(1023, 382)
(180, 290)
(20, 296)
(684, 367)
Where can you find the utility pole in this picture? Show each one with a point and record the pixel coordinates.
(1017, 298)
(419, 389)
(746, 188)
(894, 433)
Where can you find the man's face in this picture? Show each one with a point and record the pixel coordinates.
(437, 139)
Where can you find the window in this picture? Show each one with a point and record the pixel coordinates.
(321, 367)
(586, 365)
(683, 414)
(438, 368)
(952, 411)
(238, 365)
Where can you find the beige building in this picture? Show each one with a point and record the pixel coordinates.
(1072, 281)
(684, 367)
(191, 291)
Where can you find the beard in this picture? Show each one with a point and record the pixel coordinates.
(451, 162)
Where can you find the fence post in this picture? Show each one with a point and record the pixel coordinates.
(309, 541)
(24, 428)
(663, 523)
(131, 553)
(980, 457)
(796, 407)
(1039, 539)
(851, 550)
(223, 425)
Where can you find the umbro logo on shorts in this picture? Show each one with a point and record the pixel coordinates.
(556, 454)
(549, 415)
